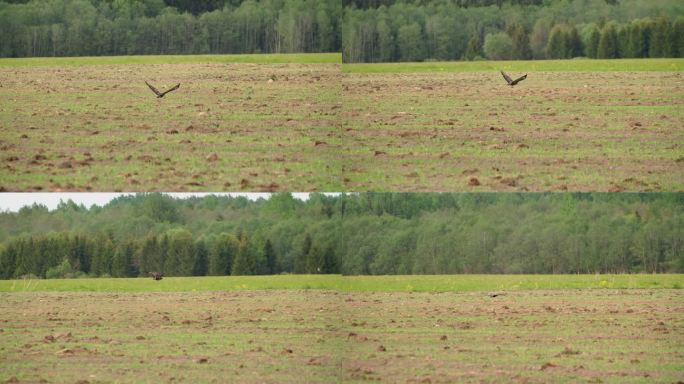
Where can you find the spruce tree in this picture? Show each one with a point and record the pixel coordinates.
(474, 48)
(201, 266)
(661, 43)
(593, 43)
(677, 37)
(270, 257)
(574, 44)
(557, 47)
(521, 42)
(608, 44)
(244, 260)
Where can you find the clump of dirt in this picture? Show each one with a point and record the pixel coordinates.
(568, 352)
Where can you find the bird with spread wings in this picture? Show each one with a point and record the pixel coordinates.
(161, 94)
(512, 82)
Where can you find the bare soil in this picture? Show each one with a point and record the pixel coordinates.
(555, 131)
(322, 336)
(251, 127)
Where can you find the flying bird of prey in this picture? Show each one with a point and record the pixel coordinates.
(156, 275)
(161, 94)
(512, 82)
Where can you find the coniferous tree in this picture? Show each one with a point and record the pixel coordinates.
(592, 46)
(270, 258)
(521, 42)
(329, 261)
(637, 39)
(300, 263)
(557, 47)
(201, 258)
(474, 48)
(677, 36)
(411, 42)
(122, 263)
(660, 42)
(222, 254)
(244, 262)
(574, 43)
(608, 44)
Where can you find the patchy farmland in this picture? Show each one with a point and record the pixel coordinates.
(89, 125)
(356, 333)
(573, 125)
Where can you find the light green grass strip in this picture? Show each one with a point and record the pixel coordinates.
(281, 58)
(619, 65)
(433, 283)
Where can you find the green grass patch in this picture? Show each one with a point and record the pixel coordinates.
(431, 283)
(618, 65)
(275, 58)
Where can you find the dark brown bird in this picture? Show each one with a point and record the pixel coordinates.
(496, 294)
(156, 275)
(512, 82)
(161, 94)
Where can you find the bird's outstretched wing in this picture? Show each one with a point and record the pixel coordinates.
(508, 78)
(170, 90)
(519, 79)
(156, 92)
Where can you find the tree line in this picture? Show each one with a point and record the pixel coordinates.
(511, 30)
(143, 27)
(368, 233)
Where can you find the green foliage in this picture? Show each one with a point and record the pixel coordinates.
(390, 30)
(270, 258)
(474, 49)
(557, 47)
(498, 46)
(660, 39)
(608, 47)
(521, 42)
(410, 41)
(61, 271)
(221, 254)
(678, 37)
(592, 44)
(369, 233)
(244, 262)
(125, 27)
(123, 262)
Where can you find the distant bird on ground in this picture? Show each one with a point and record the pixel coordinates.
(495, 294)
(161, 94)
(512, 82)
(156, 275)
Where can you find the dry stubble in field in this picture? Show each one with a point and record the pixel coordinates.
(322, 336)
(257, 127)
(558, 131)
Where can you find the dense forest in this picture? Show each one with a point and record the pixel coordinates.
(369, 233)
(420, 30)
(143, 27)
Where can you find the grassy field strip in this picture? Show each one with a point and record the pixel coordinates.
(619, 65)
(433, 283)
(279, 58)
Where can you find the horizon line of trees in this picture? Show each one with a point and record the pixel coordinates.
(351, 234)
(444, 30)
(40, 28)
